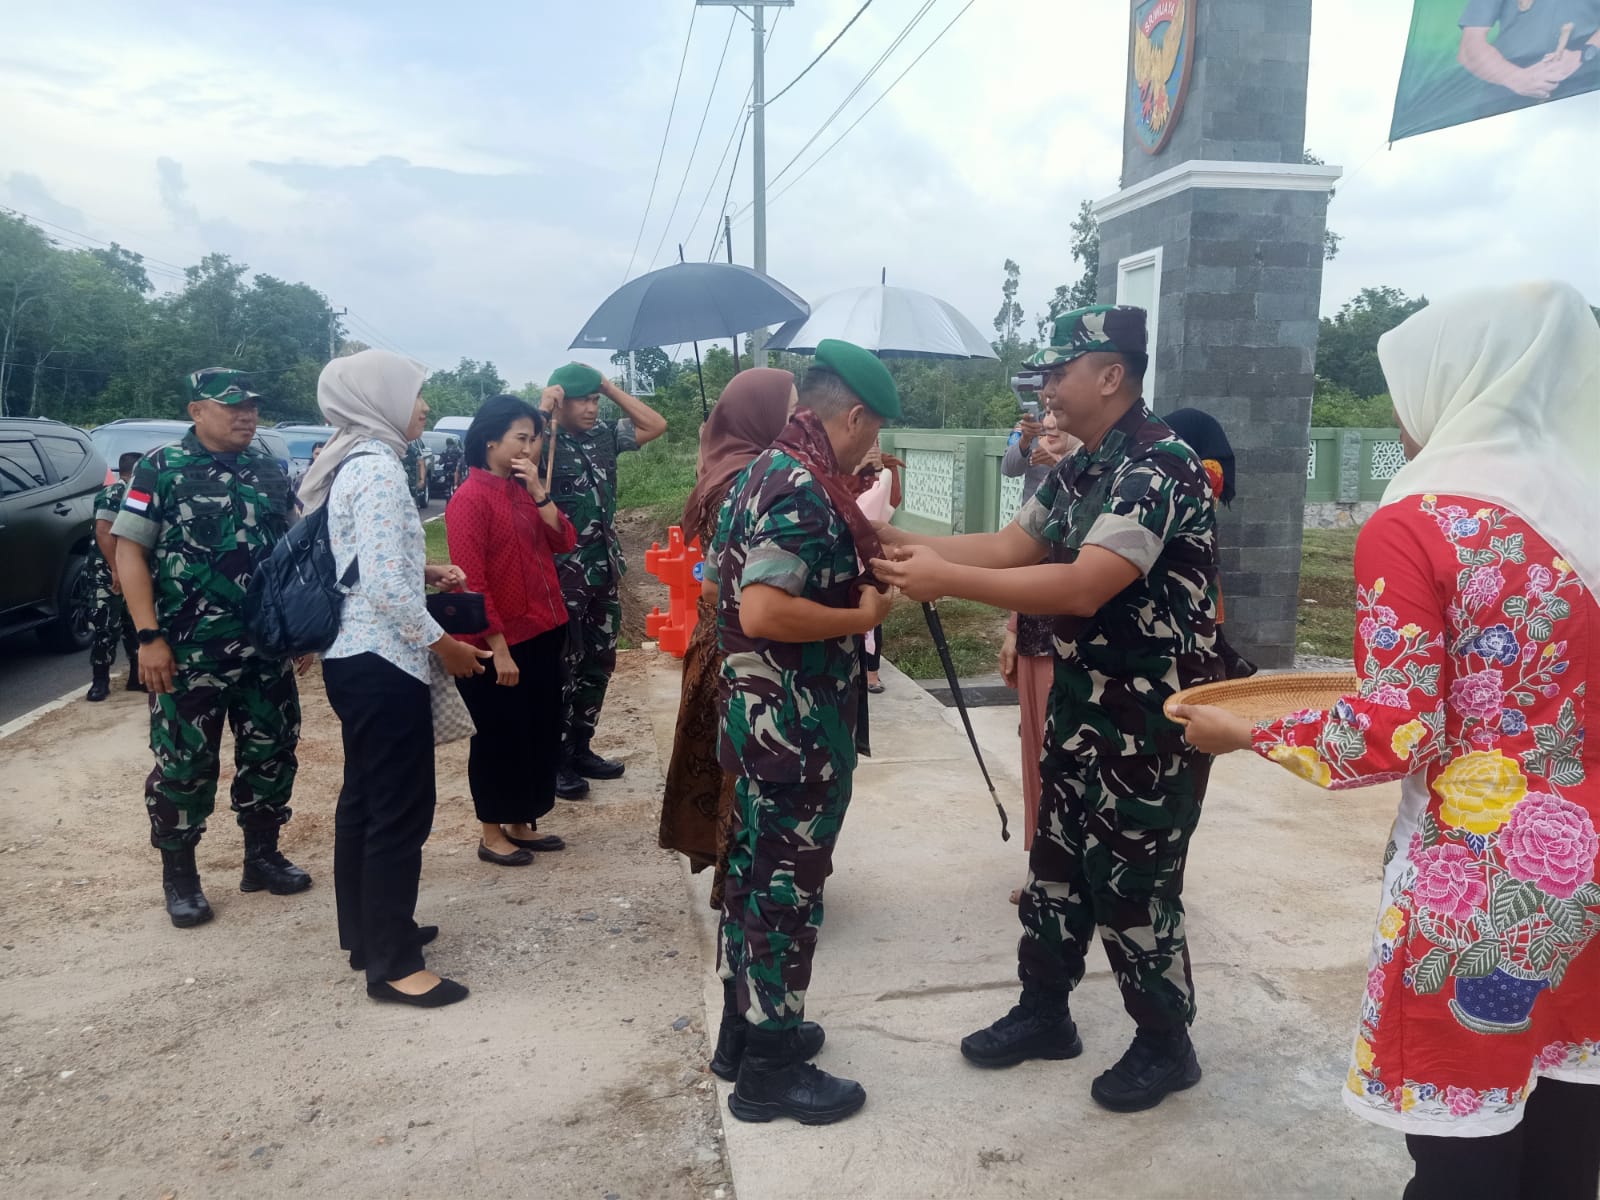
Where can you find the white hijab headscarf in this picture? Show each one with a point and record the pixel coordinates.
(1501, 387)
(367, 395)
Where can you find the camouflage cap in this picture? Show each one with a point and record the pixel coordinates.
(222, 384)
(576, 380)
(1098, 328)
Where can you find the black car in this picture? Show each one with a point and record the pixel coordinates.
(449, 463)
(49, 476)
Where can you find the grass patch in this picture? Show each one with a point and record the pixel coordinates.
(657, 479)
(974, 632)
(1327, 616)
(438, 549)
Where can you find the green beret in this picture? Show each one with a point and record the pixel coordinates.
(1100, 327)
(863, 373)
(576, 380)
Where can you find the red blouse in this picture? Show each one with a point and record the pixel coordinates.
(1479, 650)
(498, 537)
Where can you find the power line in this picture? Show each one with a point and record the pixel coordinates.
(695, 149)
(741, 126)
(90, 242)
(715, 233)
(916, 19)
(825, 50)
(639, 237)
(875, 103)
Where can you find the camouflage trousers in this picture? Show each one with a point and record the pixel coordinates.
(259, 699)
(1109, 854)
(110, 622)
(779, 858)
(594, 619)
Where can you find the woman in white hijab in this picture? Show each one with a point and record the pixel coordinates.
(1478, 647)
(377, 670)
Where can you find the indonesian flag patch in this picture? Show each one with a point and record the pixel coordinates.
(137, 501)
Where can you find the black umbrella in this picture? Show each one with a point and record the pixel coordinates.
(936, 630)
(688, 302)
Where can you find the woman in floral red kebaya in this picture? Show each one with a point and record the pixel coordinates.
(1478, 646)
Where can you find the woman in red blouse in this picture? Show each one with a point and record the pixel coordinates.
(1478, 646)
(504, 531)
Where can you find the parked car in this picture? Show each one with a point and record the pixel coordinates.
(449, 463)
(116, 438)
(49, 476)
(301, 439)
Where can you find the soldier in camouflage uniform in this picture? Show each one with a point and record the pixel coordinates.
(791, 610)
(197, 518)
(1128, 526)
(110, 620)
(584, 484)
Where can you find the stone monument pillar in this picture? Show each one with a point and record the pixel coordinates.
(1218, 232)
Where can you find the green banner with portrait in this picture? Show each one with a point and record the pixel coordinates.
(1468, 59)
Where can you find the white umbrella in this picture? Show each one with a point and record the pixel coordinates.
(893, 322)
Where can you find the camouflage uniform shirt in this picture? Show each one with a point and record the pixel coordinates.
(790, 713)
(1143, 495)
(107, 503)
(207, 523)
(584, 484)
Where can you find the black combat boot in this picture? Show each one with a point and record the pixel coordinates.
(99, 684)
(569, 784)
(133, 678)
(180, 880)
(1039, 1027)
(805, 1040)
(1234, 664)
(591, 766)
(1157, 1064)
(772, 1084)
(267, 870)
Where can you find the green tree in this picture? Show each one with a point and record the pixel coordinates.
(1086, 291)
(459, 392)
(1008, 321)
(1347, 349)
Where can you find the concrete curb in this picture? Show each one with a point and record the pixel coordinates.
(18, 724)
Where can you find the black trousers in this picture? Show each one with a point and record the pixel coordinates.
(1554, 1154)
(514, 755)
(872, 659)
(385, 810)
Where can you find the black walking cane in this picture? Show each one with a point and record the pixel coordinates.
(936, 629)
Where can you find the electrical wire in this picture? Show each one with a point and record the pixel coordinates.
(716, 232)
(662, 153)
(825, 50)
(773, 199)
(695, 149)
(85, 241)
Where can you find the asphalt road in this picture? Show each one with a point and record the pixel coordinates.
(30, 675)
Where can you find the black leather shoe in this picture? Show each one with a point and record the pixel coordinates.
(591, 766)
(1027, 1031)
(423, 935)
(133, 684)
(517, 858)
(546, 844)
(446, 991)
(805, 1040)
(180, 881)
(267, 870)
(772, 1085)
(570, 785)
(1234, 664)
(99, 685)
(1155, 1066)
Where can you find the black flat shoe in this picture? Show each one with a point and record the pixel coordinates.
(517, 858)
(446, 991)
(548, 842)
(423, 935)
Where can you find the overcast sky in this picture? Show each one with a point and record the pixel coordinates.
(469, 178)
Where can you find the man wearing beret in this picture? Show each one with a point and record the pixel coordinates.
(196, 519)
(584, 484)
(1127, 525)
(792, 607)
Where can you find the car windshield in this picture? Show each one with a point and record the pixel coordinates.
(300, 444)
(113, 441)
(437, 441)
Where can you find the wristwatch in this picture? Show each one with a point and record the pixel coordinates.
(146, 636)
(546, 500)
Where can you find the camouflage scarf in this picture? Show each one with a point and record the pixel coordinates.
(805, 440)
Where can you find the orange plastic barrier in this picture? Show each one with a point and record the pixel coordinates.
(679, 567)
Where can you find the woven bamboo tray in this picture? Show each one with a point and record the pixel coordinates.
(1263, 697)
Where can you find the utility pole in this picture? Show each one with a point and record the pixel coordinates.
(333, 331)
(758, 115)
(727, 237)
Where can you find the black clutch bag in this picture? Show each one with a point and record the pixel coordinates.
(459, 612)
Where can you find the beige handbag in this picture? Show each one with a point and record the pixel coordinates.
(451, 720)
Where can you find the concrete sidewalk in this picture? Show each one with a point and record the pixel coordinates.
(919, 949)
